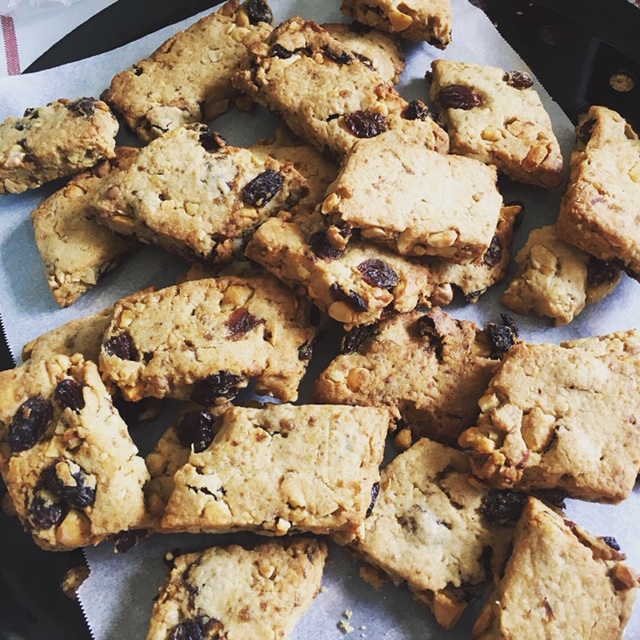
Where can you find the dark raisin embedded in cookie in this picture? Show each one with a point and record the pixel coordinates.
(365, 61)
(212, 140)
(356, 301)
(195, 429)
(459, 96)
(426, 328)
(378, 273)
(240, 322)
(263, 188)
(223, 384)
(355, 338)
(278, 51)
(305, 350)
(375, 490)
(502, 507)
(584, 130)
(126, 540)
(68, 394)
(322, 247)
(122, 347)
(416, 110)
(29, 423)
(359, 28)
(46, 510)
(493, 254)
(341, 57)
(502, 337)
(69, 481)
(193, 629)
(612, 542)
(518, 79)
(258, 11)
(600, 271)
(83, 107)
(366, 124)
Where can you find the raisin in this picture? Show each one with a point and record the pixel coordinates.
(188, 630)
(518, 79)
(138, 71)
(305, 350)
(240, 322)
(555, 497)
(223, 384)
(359, 28)
(502, 338)
(278, 51)
(493, 254)
(195, 428)
(212, 140)
(459, 96)
(378, 273)
(322, 247)
(355, 338)
(612, 542)
(584, 130)
(366, 124)
(83, 107)
(263, 188)
(31, 113)
(126, 540)
(351, 297)
(501, 507)
(122, 347)
(416, 110)
(45, 511)
(68, 394)
(426, 328)
(69, 481)
(258, 11)
(29, 423)
(18, 126)
(375, 490)
(600, 271)
(473, 296)
(365, 61)
(341, 57)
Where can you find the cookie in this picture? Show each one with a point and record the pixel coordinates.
(204, 340)
(54, 141)
(282, 469)
(427, 528)
(188, 78)
(414, 200)
(417, 20)
(66, 456)
(497, 117)
(76, 251)
(428, 369)
(355, 286)
(192, 194)
(598, 209)
(542, 417)
(556, 279)
(232, 592)
(559, 582)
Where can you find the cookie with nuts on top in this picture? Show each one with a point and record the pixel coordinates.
(188, 79)
(54, 141)
(205, 339)
(325, 94)
(402, 194)
(66, 456)
(497, 117)
(428, 369)
(281, 469)
(598, 209)
(418, 20)
(559, 582)
(233, 592)
(75, 250)
(191, 193)
(542, 417)
(556, 279)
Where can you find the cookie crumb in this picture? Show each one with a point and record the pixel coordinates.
(345, 627)
(73, 579)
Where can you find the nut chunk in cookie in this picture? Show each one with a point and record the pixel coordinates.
(497, 117)
(428, 369)
(559, 582)
(75, 250)
(417, 20)
(282, 469)
(326, 95)
(232, 592)
(191, 193)
(427, 528)
(188, 79)
(598, 212)
(565, 417)
(204, 340)
(66, 456)
(356, 286)
(416, 201)
(556, 279)
(54, 141)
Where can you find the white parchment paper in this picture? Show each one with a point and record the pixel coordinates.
(118, 597)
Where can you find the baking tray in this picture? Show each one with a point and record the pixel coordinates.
(574, 47)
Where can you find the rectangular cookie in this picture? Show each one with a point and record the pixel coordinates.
(54, 141)
(559, 582)
(428, 528)
(428, 369)
(497, 117)
(232, 592)
(418, 202)
(355, 286)
(282, 469)
(204, 340)
(66, 457)
(562, 417)
(417, 20)
(191, 193)
(75, 250)
(188, 78)
(598, 209)
(556, 279)
(325, 94)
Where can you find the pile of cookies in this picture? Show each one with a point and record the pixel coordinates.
(369, 210)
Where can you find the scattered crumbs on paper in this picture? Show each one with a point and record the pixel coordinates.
(363, 627)
(345, 626)
(372, 576)
(323, 589)
(347, 614)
